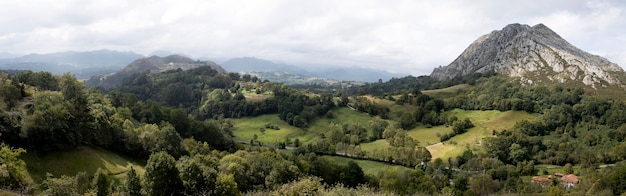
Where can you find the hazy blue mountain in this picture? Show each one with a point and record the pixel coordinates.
(251, 64)
(358, 74)
(81, 64)
(6, 55)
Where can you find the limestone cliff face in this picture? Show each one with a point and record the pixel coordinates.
(533, 55)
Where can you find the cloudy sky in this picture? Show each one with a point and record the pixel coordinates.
(399, 36)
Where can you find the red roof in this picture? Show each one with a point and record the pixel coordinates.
(570, 178)
(540, 179)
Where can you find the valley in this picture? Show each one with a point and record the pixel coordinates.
(177, 126)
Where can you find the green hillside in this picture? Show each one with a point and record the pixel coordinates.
(84, 158)
(369, 167)
(246, 128)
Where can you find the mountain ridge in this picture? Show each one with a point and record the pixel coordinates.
(151, 64)
(255, 65)
(533, 55)
(83, 64)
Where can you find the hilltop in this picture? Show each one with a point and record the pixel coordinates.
(154, 64)
(533, 55)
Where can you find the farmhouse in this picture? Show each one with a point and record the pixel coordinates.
(568, 181)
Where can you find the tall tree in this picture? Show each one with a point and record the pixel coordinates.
(102, 183)
(162, 176)
(132, 185)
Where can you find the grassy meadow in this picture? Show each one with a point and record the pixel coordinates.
(246, 128)
(369, 167)
(447, 92)
(485, 122)
(81, 159)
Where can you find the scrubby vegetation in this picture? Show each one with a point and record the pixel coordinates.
(196, 132)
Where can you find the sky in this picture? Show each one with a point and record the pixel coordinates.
(411, 37)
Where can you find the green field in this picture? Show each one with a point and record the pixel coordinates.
(81, 159)
(485, 122)
(378, 144)
(341, 115)
(447, 92)
(246, 128)
(369, 167)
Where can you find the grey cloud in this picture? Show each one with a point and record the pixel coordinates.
(400, 36)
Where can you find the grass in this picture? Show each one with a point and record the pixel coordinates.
(428, 136)
(252, 96)
(383, 102)
(341, 115)
(369, 167)
(448, 92)
(552, 170)
(81, 159)
(246, 128)
(485, 122)
(378, 144)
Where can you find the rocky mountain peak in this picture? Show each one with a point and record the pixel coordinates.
(533, 55)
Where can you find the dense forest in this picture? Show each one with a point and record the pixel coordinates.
(179, 123)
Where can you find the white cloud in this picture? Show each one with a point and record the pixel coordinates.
(400, 36)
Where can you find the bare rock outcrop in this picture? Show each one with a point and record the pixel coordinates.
(532, 54)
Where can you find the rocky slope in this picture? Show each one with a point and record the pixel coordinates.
(533, 55)
(151, 64)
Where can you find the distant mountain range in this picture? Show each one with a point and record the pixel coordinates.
(250, 64)
(534, 56)
(82, 64)
(103, 62)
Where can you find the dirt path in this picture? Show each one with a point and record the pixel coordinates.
(437, 144)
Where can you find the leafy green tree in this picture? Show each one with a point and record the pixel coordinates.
(83, 182)
(132, 186)
(235, 165)
(10, 95)
(226, 185)
(102, 183)
(62, 186)
(392, 181)
(13, 173)
(352, 175)
(75, 94)
(168, 140)
(162, 176)
(617, 180)
(568, 168)
(305, 186)
(378, 127)
(555, 191)
(49, 127)
(198, 174)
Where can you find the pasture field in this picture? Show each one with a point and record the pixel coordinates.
(369, 167)
(246, 128)
(81, 159)
(447, 92)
